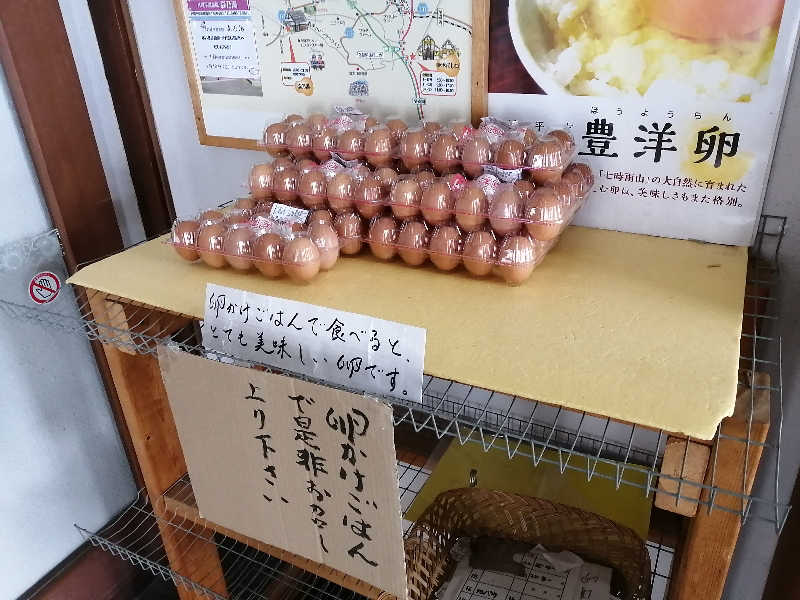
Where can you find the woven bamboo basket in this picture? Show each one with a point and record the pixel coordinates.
(473, 512)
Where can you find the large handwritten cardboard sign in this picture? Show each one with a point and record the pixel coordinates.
(356, 351)
(296, 465)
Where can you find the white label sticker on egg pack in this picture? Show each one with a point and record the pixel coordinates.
(358, 352)
(288, 214)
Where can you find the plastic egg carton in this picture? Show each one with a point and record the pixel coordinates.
(251, 238)
(512, 257)
(483, 203)
(507, 150)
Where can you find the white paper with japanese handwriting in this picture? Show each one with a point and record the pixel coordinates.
(542, 581)
(356, 351)
(305, 468)
(675, 105)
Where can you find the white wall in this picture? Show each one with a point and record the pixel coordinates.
(60, 455)
(202, 176)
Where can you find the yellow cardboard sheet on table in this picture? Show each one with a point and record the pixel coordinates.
(637, 328)
(627, 505)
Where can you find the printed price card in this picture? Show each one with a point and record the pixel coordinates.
(357, 351)
(303, 467)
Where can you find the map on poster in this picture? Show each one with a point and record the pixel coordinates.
(255, 60)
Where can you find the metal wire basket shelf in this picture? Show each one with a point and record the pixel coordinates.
(137, 535)
(519, 426)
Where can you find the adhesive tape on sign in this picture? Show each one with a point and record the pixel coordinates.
(44, 287)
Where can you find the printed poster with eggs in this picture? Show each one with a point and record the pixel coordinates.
(675, 104)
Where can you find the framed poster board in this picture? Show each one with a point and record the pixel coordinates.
(675, 104)
(251, 62)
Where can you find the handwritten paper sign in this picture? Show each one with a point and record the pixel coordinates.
(357, 351)
(302, 467)
(542, 581)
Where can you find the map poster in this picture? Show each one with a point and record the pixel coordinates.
(410, 59)
(675, 104)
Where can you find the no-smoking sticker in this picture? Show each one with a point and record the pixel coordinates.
(44, 287)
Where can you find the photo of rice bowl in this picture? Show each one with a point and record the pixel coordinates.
(709, 49)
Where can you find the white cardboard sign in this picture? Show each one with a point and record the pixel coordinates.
(356, 351)
(302, 467)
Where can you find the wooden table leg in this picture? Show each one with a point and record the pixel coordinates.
(711, 537)
(155, 439)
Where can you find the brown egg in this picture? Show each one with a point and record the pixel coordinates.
(282, 163)
(566, 139)
(431, 127)
(238, 247)
(211, 215)
(350, 145)
(313, 189)
(320, 217)
(247, 203)
(305, 165)
(471, 208)
(284, 185)
(323, 143)
(510, 155)
(413, 243)
(298, 140)
(573, 184)
(479, 252)
(437, 204)
(275, 139)
(525, 189)
(369, 197)
(414, 149)
(585, 171)
(371, 122)
(383, 238)
(545, 161)
(291, 119)
(545, 214)
(261, 181)
(360, 172)
(424, 178)
(444, 153)
(209, 245)
(317, 123)
(475, 152)
(340, 193)
(405, 198)
(327, 242)
(301, 259)
(397, 127)
(387, 177)
(505, 211)
(268, 254)
(529, 136)
(238, 216)
(350, 228)
(445, 248)
(378, 148)
(516, 259)
(184, 239)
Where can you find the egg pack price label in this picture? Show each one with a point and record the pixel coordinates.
(356, 351)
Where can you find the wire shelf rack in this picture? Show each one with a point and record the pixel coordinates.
(248, 572)
(571, 440)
